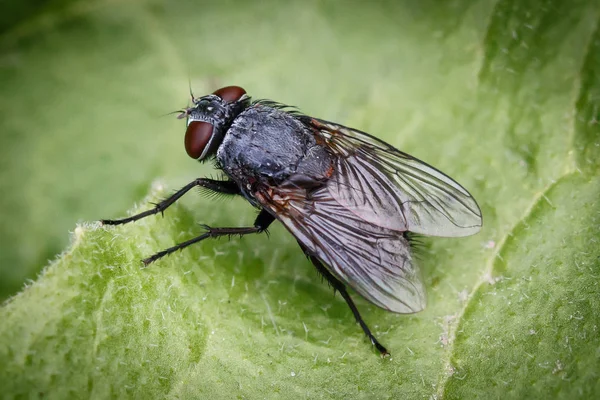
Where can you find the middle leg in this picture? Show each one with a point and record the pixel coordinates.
(261, 224)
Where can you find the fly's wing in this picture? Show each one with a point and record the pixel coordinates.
(374, 260)
(392, 189)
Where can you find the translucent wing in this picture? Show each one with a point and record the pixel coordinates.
(375, 261)
(392, 189)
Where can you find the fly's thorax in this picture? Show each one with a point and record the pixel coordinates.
(268, 145)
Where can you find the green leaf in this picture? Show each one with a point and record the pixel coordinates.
(504, 96)
(530, 329)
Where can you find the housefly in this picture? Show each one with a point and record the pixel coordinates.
(348, 198)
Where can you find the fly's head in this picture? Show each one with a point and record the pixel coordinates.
(210, 117)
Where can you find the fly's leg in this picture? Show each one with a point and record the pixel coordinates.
(226, 187)
(261, 224)
(340, 287)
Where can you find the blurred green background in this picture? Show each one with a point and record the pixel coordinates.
(502, 95)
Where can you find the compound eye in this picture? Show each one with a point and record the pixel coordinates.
(197, 136)
(230, 93)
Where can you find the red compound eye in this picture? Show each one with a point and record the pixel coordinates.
(230, 93)
(197, 136)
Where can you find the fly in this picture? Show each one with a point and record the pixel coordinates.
(348, 198)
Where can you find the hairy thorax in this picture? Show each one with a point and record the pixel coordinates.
(267, 146)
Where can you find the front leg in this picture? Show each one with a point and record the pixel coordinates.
(225, 187)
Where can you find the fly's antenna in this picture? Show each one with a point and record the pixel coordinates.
(190, 87)
(184, 112)
(181, 114)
